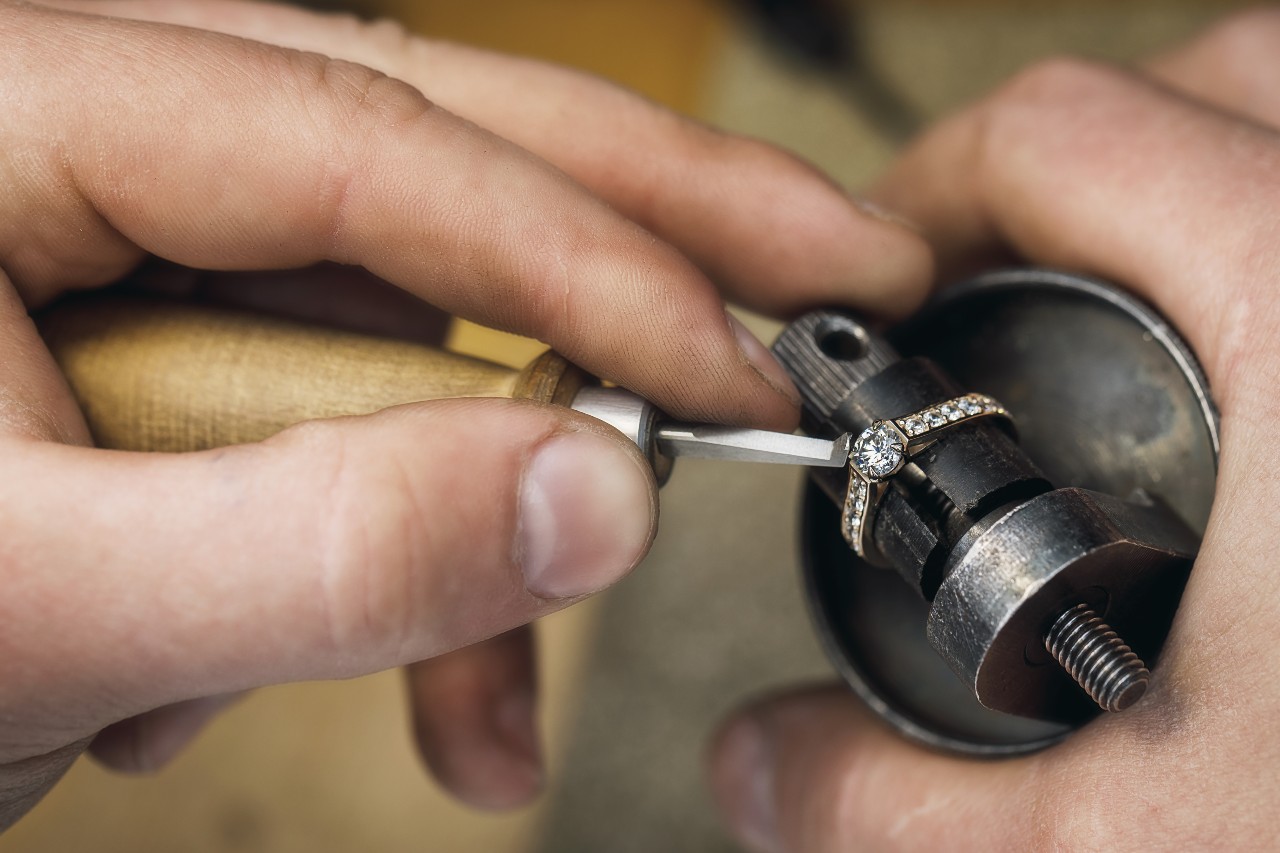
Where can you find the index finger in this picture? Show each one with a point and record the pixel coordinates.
(1094, 168)
(226, 154)
(773, 232)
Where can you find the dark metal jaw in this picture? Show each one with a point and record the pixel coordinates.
(991, 552)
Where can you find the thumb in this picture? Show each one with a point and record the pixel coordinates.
(335, 549)
(813, 772)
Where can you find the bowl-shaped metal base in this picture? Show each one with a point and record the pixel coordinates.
(1107, 397)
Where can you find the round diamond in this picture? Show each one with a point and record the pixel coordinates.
(878, 451)
(913, 425)
(934, 418)
(969, 405)
(951, 411)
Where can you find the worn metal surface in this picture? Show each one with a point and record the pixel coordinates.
(1007, 586)
(1106, 393)
(1105, 396)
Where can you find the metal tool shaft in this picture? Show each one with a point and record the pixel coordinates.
(704, 441)
(662, 441)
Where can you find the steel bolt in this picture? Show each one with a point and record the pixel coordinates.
(1096, 657)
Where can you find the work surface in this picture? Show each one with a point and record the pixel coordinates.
(637, 678)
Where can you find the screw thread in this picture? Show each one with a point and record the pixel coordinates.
(1096, 657)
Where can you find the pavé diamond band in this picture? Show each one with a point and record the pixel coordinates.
(885, 447)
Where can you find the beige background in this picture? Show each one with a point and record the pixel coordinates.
(636, 679)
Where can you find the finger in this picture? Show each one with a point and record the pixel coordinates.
(812, 772)
(337, 548)
(149, 741)
(302, 159)
(340, 297)
(35, 406)
(1090, 167)
(1234, 65)
(777, 234)
(474, 720)
(35, 402)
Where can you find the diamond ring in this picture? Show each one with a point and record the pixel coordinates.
(884, 448)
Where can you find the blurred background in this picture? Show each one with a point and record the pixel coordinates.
(635, 680)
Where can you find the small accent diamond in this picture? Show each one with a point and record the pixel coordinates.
(855, 504)
(933, 418)
(878, 451)
(969, 405)
(913, 425)
(951, 411)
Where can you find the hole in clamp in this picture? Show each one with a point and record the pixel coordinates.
(841, 339)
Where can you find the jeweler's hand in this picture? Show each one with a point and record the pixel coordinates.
(136, 587)
(1167, 180)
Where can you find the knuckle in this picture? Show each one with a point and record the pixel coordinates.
(391, 38)
(358, 98)
(1251, 32)
(1058, 80)
(386, 43)
(352, 109)
(370, 544)
(753, 156)
(545, 291)
(545, 299)
(1059, 98)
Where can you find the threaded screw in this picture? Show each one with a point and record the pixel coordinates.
(1096, 657)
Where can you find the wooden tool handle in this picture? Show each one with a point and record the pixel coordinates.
(170, 376)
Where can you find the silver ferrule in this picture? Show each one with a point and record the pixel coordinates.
(633, 416)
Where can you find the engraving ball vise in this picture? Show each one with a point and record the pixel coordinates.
(1044, 574)
(1037, 547)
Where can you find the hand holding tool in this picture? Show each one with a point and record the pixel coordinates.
(157, 375)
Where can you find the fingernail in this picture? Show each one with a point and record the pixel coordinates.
(744, 785)
(878, 211)
(516, 725)
(587, 512)
(759, 357)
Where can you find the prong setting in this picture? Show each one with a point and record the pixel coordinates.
(880, 451)
(885, 447)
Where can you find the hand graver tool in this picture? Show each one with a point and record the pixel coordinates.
(1010, 488)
